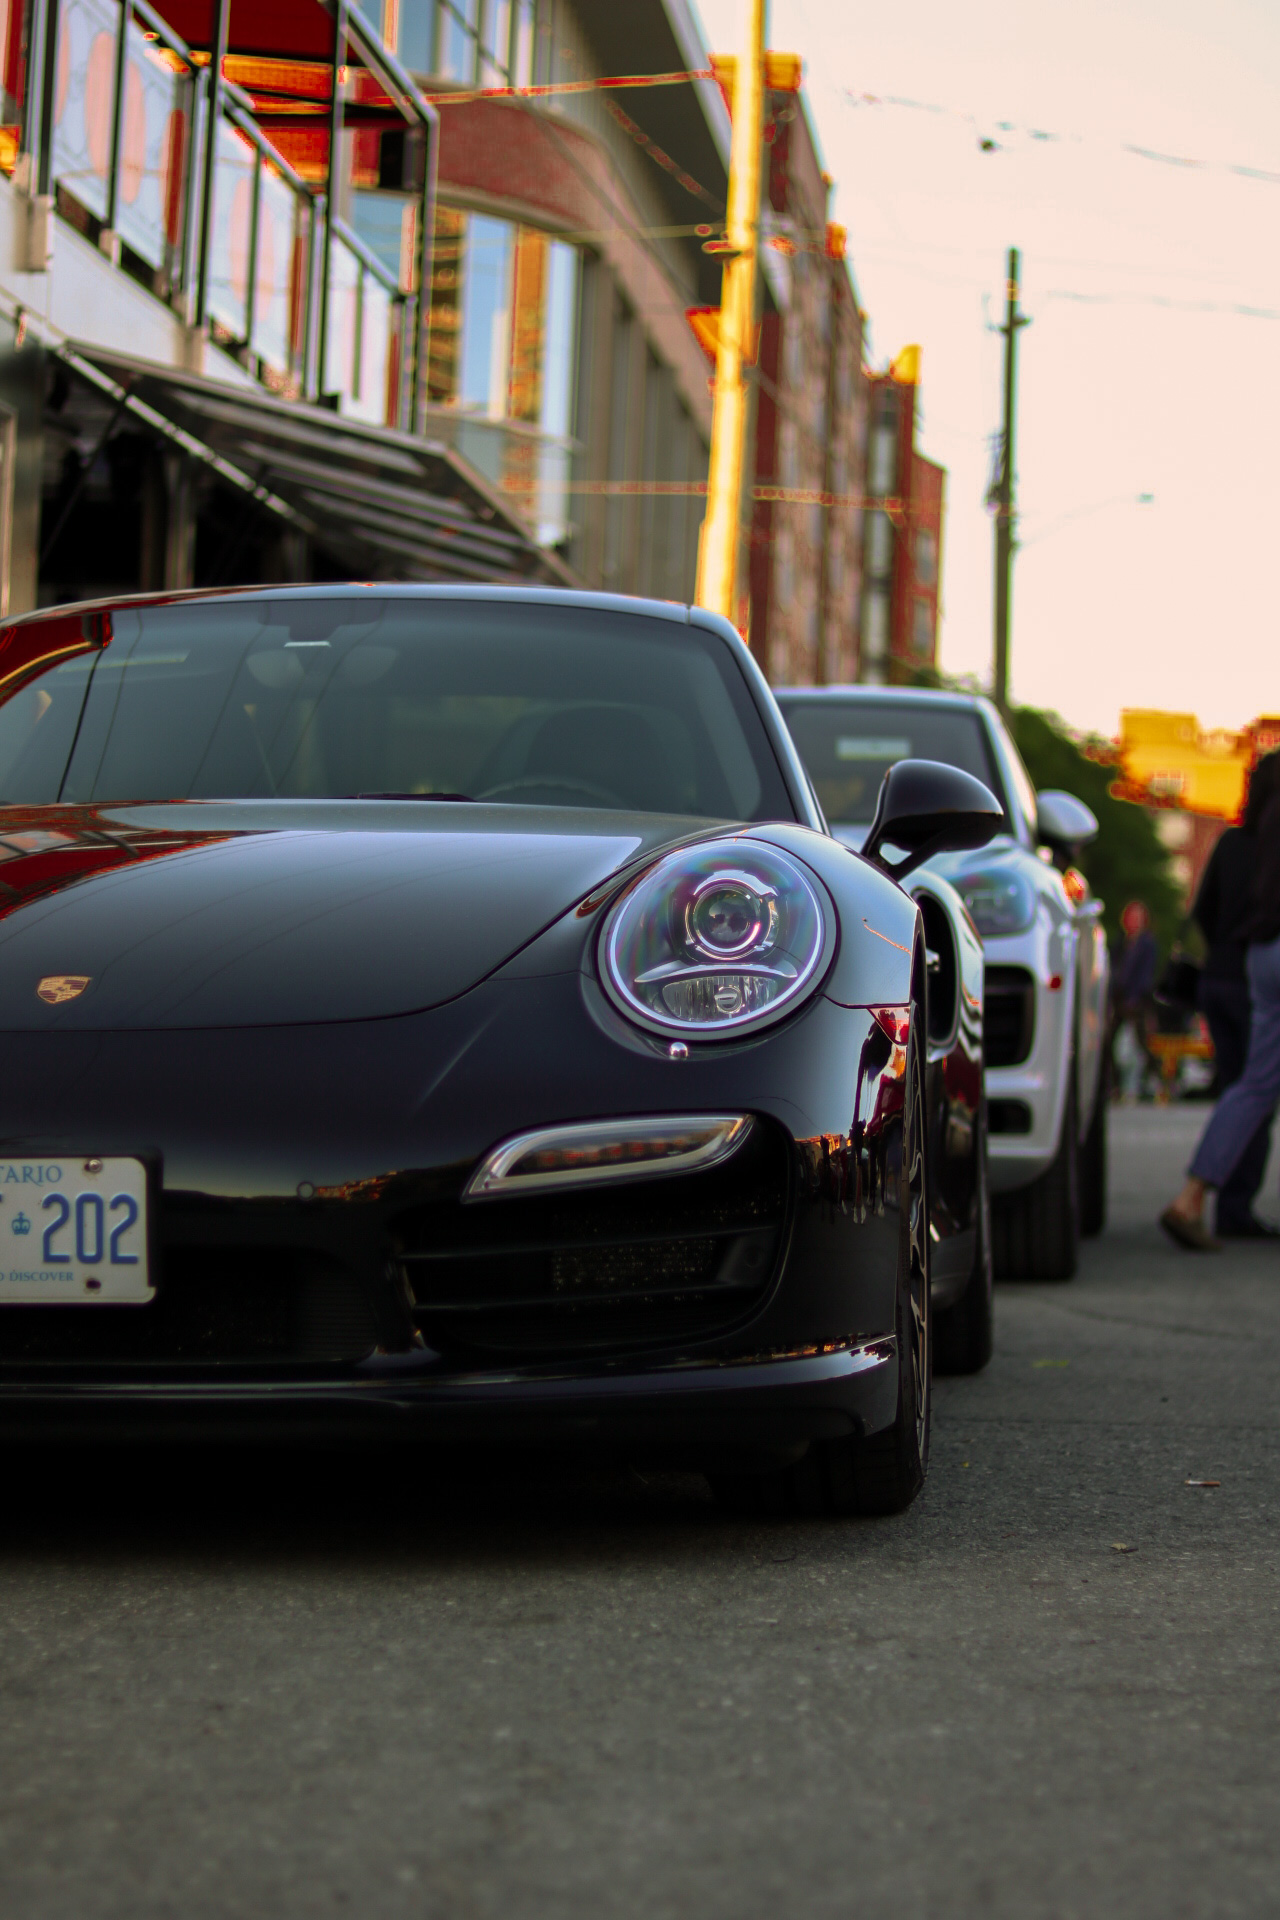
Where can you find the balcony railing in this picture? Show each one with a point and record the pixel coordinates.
(161, 157)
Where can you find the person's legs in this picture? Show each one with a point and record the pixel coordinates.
(1252, 1100)
(1225, 1006)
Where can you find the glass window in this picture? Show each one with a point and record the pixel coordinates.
(341, 364)
(849, 745)
(504, 314)
(879, 545)
(927, 557)
(37, 729)
(922, 627)
(446, 305)
(522, 29)
(373, 398)
(1017, 778)
(561, 339)
(232, 229)
(486, 315)
(329, 696)
(84, 103)
(13, 63)
(416, 35)
(456, 46)
(495, 43)
(883, 464)
(387, 224)
(281, 236)
(528, 311)
(153, 146)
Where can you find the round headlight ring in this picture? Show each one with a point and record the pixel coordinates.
(717, 940)
(730, 915)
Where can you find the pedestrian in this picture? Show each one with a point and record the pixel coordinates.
(1252, 1100)
(1133, 983)
(1222, 908)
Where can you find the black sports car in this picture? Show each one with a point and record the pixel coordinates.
(446, 1007)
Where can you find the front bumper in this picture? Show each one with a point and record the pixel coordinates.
(1039, 1084)
(345, 1148)
(769, 1407)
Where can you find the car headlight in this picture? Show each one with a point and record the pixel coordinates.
(1001, 900)
(718, 939)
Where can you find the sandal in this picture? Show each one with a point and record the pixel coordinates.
(1191, 1234)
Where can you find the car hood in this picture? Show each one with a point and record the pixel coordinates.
(220, 914)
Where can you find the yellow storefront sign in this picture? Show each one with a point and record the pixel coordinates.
(1168, 759)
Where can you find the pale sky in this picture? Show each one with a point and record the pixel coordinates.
(1137, 376)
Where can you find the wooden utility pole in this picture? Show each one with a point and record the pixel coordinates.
(720, 543)
(1004, 489)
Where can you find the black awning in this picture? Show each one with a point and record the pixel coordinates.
(387, 504)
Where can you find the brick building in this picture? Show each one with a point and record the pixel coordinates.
(811, 412)
(903, 532)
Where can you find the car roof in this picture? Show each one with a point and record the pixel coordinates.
(669, 610)
(849, 694)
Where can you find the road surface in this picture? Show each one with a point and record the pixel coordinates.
(280, 1686)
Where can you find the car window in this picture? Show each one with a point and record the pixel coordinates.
(543, 705)
(849, 745)
(1016, 777)
(37, 728)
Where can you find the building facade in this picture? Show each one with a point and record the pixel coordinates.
(567, 253)
(215, 218)
(403, 289)
(902, 559)
(811, 399)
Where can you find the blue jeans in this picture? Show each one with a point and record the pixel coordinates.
(1243, 1107)
(1225, 1005)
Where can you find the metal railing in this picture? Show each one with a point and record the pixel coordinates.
(212, 217)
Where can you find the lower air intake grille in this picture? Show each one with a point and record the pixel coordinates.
(648, 1264)
(1009, 1020)
(247, 1307)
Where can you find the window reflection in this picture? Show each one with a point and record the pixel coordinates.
(456, 59)
(486, 315)
(488, 43)
(504, 324)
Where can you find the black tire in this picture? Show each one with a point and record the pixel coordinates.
(882, 1474)
(1035, 1233)
(1093, 1162)
(964, 1333)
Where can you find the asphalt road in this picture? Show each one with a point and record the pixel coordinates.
(275, 1686)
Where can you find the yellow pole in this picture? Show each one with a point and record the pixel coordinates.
(721, 530)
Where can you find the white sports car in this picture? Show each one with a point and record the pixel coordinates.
(1047, 970)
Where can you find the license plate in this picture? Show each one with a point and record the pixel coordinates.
(73, 1232)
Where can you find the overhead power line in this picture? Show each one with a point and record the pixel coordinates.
(987, 130)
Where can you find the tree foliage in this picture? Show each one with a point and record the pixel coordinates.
(1126, 861)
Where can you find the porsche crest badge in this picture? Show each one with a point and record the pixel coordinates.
(57, 987)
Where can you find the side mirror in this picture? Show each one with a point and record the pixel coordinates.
(925, 808)
(1064, 821)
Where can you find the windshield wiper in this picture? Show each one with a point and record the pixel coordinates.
(410, 796)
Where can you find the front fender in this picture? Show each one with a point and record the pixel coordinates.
(879, 923)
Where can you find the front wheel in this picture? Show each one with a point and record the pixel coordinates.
(1035, 1233)
(883, 1473)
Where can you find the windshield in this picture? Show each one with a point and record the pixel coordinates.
(849, 745)
(539, 705)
